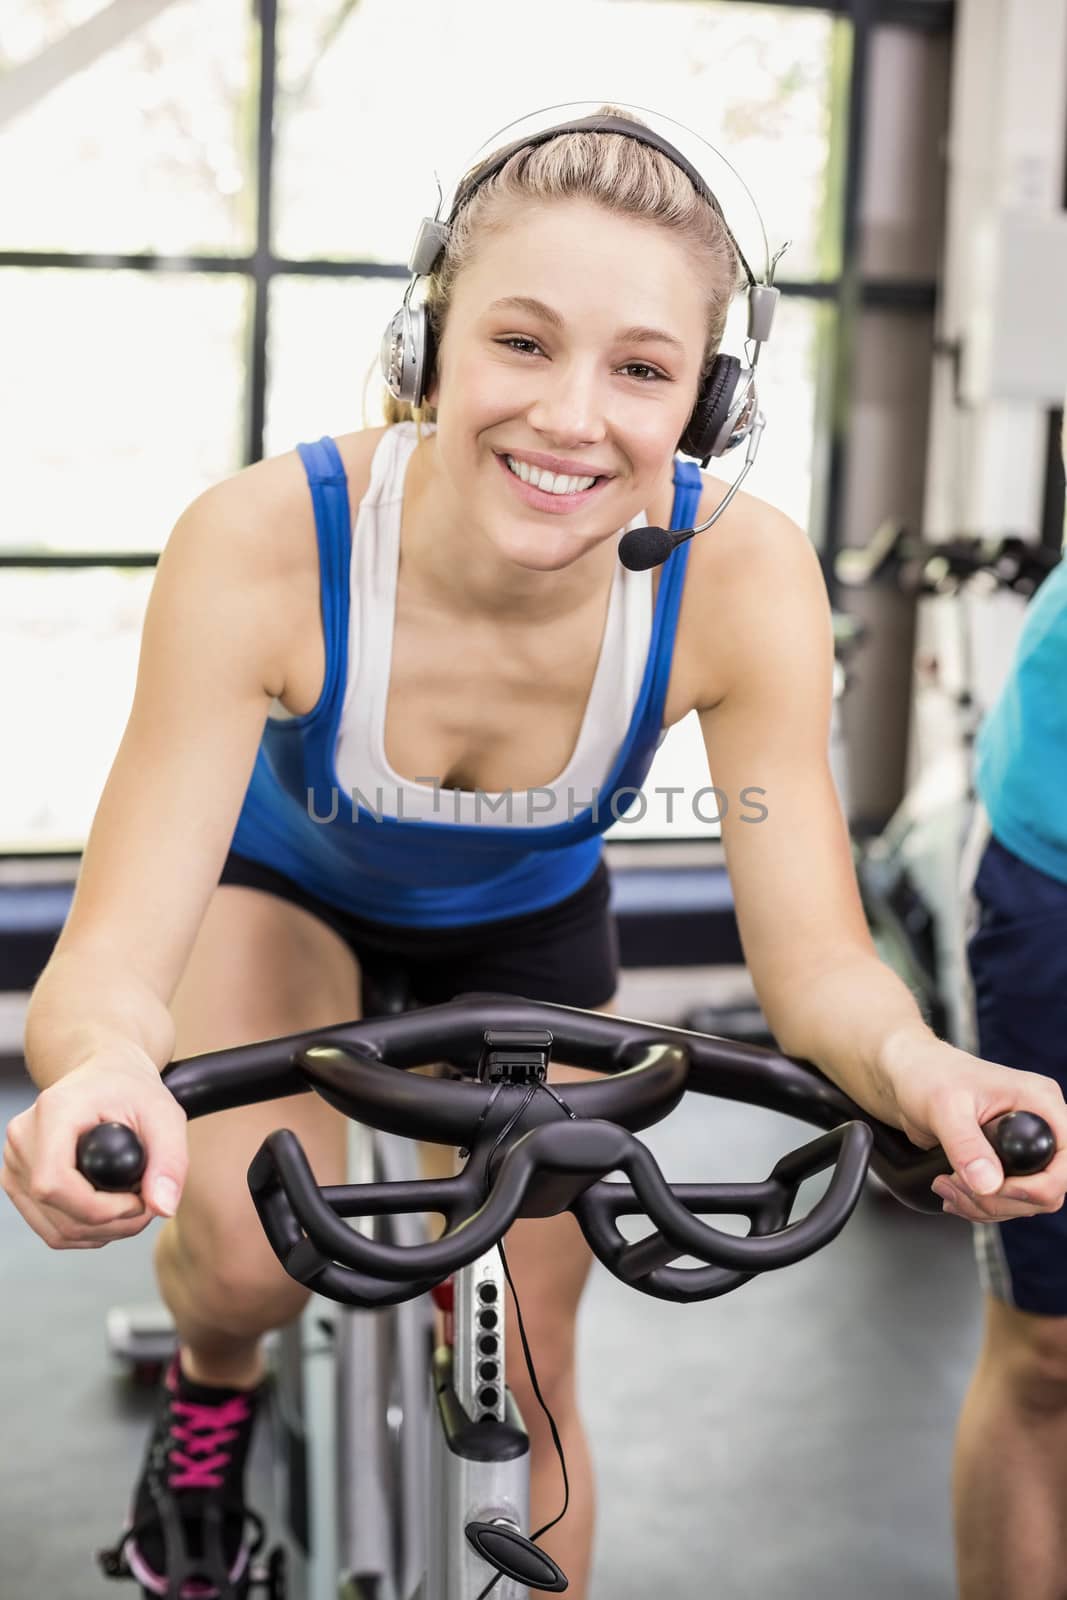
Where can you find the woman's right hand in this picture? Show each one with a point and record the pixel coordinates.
(116, 1084)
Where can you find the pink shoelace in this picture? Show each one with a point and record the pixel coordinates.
(206, 1430)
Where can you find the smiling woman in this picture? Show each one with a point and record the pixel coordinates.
(426, 611)
(398, 608)
(323, 654)
(577, 362)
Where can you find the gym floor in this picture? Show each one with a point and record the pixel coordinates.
(791, 1441)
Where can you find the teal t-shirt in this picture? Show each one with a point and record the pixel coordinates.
(1021, 770)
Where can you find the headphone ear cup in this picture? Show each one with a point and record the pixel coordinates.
(702, 436)
(407, 353)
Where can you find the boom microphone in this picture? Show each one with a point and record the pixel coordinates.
(642, 548)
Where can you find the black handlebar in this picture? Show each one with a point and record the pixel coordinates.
(537, 1152)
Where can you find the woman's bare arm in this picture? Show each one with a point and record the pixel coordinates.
(213, 654)
(768, 737)
(825, 991)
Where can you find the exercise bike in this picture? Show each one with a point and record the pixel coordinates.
(422, 1492)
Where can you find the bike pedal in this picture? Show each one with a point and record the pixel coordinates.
(512, 1554)
(113, 1565)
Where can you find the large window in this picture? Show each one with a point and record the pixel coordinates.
(205, 211)
(134, 128)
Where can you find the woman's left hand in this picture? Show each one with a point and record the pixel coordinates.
(944, 1096)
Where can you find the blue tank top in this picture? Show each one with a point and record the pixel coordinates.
(1021, 769)
(297, 818)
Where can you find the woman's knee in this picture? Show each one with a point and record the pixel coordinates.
(213, 1255)
(239, 1289)
(1028, 1353)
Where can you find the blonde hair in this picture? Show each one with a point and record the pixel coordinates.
(624, 176)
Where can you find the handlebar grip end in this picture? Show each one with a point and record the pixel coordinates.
(111, 1157)
(1024, 1142)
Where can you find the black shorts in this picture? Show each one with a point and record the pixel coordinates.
(1017, 956)
(567, 953)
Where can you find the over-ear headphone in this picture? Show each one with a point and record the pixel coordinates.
(726, 411)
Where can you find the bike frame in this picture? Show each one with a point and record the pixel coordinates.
(380, 1458)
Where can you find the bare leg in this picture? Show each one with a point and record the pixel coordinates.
(260, 968)
(1010, 1480)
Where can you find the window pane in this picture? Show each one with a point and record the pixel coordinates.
(353, 177)
(789, 383)
(122, 399)
(325, 333)
(73, 639)
(677, 799)
(144, 145)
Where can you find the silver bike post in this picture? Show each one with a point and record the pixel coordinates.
(381, 1432)
(480, 1468)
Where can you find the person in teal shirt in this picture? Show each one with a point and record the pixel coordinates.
(1011, 1448)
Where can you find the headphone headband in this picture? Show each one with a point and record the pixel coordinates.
(433, 233)
(623, 125)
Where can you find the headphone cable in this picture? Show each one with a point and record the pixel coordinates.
(524, 1340)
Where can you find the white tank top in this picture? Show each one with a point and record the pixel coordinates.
(359, 753)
